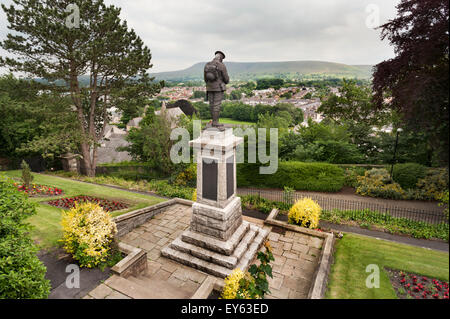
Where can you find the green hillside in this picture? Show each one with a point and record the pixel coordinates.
(291, 70)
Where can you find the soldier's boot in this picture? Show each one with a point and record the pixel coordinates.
(216, 116)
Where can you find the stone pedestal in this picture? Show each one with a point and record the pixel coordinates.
(218, 239)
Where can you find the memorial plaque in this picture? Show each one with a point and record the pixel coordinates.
(209, 180)
(230, 176)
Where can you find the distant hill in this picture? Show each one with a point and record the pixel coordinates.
(254, 70)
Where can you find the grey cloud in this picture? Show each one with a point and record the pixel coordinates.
(182, 32)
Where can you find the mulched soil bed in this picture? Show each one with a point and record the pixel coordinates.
(36, 190)
(282, 217)
(107, 205)
(56, 263)
(413, 286)
(254, 214)
(215, 294)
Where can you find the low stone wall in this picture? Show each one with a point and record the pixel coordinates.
(135, 261)
(127, 222)
(133, 264)
(320, 280)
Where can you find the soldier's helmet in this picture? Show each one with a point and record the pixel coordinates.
(220, 52)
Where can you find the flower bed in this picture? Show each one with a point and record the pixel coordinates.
(412, 286)
(107, 205)
(39, 190)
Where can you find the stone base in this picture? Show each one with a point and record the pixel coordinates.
(215, 256)
(220, 223)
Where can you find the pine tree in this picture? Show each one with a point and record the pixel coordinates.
(48, 41)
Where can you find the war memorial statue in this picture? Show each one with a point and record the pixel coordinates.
(218, 239)
(216, 78)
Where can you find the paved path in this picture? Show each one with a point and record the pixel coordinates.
(296, 260)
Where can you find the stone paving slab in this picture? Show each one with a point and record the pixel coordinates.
(296, 259)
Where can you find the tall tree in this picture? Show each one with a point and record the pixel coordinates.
(416, 81)
(352, 104)
(34, 122)
(48, 42)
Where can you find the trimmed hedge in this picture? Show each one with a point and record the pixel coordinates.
(320, 177)
(408, 174)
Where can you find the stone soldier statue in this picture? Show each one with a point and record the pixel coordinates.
(216, 78)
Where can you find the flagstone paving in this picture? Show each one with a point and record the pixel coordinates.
(296, 259)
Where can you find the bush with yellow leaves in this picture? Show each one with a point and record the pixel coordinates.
(378, 183)
(194, 195)
(305, 212)
(252, 284)
(88, 234)
(232, 288)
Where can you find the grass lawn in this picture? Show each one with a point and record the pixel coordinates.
(231, 121)
(353, 253)
(47, 230)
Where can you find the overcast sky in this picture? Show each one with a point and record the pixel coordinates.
(180, 33)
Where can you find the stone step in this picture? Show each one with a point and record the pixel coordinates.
(250, 254)
(131, 289)
(192, 261)
(214, 244)
(161, 288)
(245, 242)
(205, 254)
(216, 258)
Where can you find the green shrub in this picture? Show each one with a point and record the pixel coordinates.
(351, 175)
(27, 178)
(433, 186)
(377, 183)
(394, 225)
(305, 212)
(254, 202)
(163, 188)
(444, 203)
(187, 177)
(408, 174)
(22, 275)
(88, 234)
(321, 177)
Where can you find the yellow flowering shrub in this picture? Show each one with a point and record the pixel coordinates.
(305, 212)
(378, 183)
(187, 177)
(433, 186)
(252, 284)
(88, 234)
(232, 289)
(194, 195)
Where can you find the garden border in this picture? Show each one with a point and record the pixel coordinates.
(320, 279)
(133, 264)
